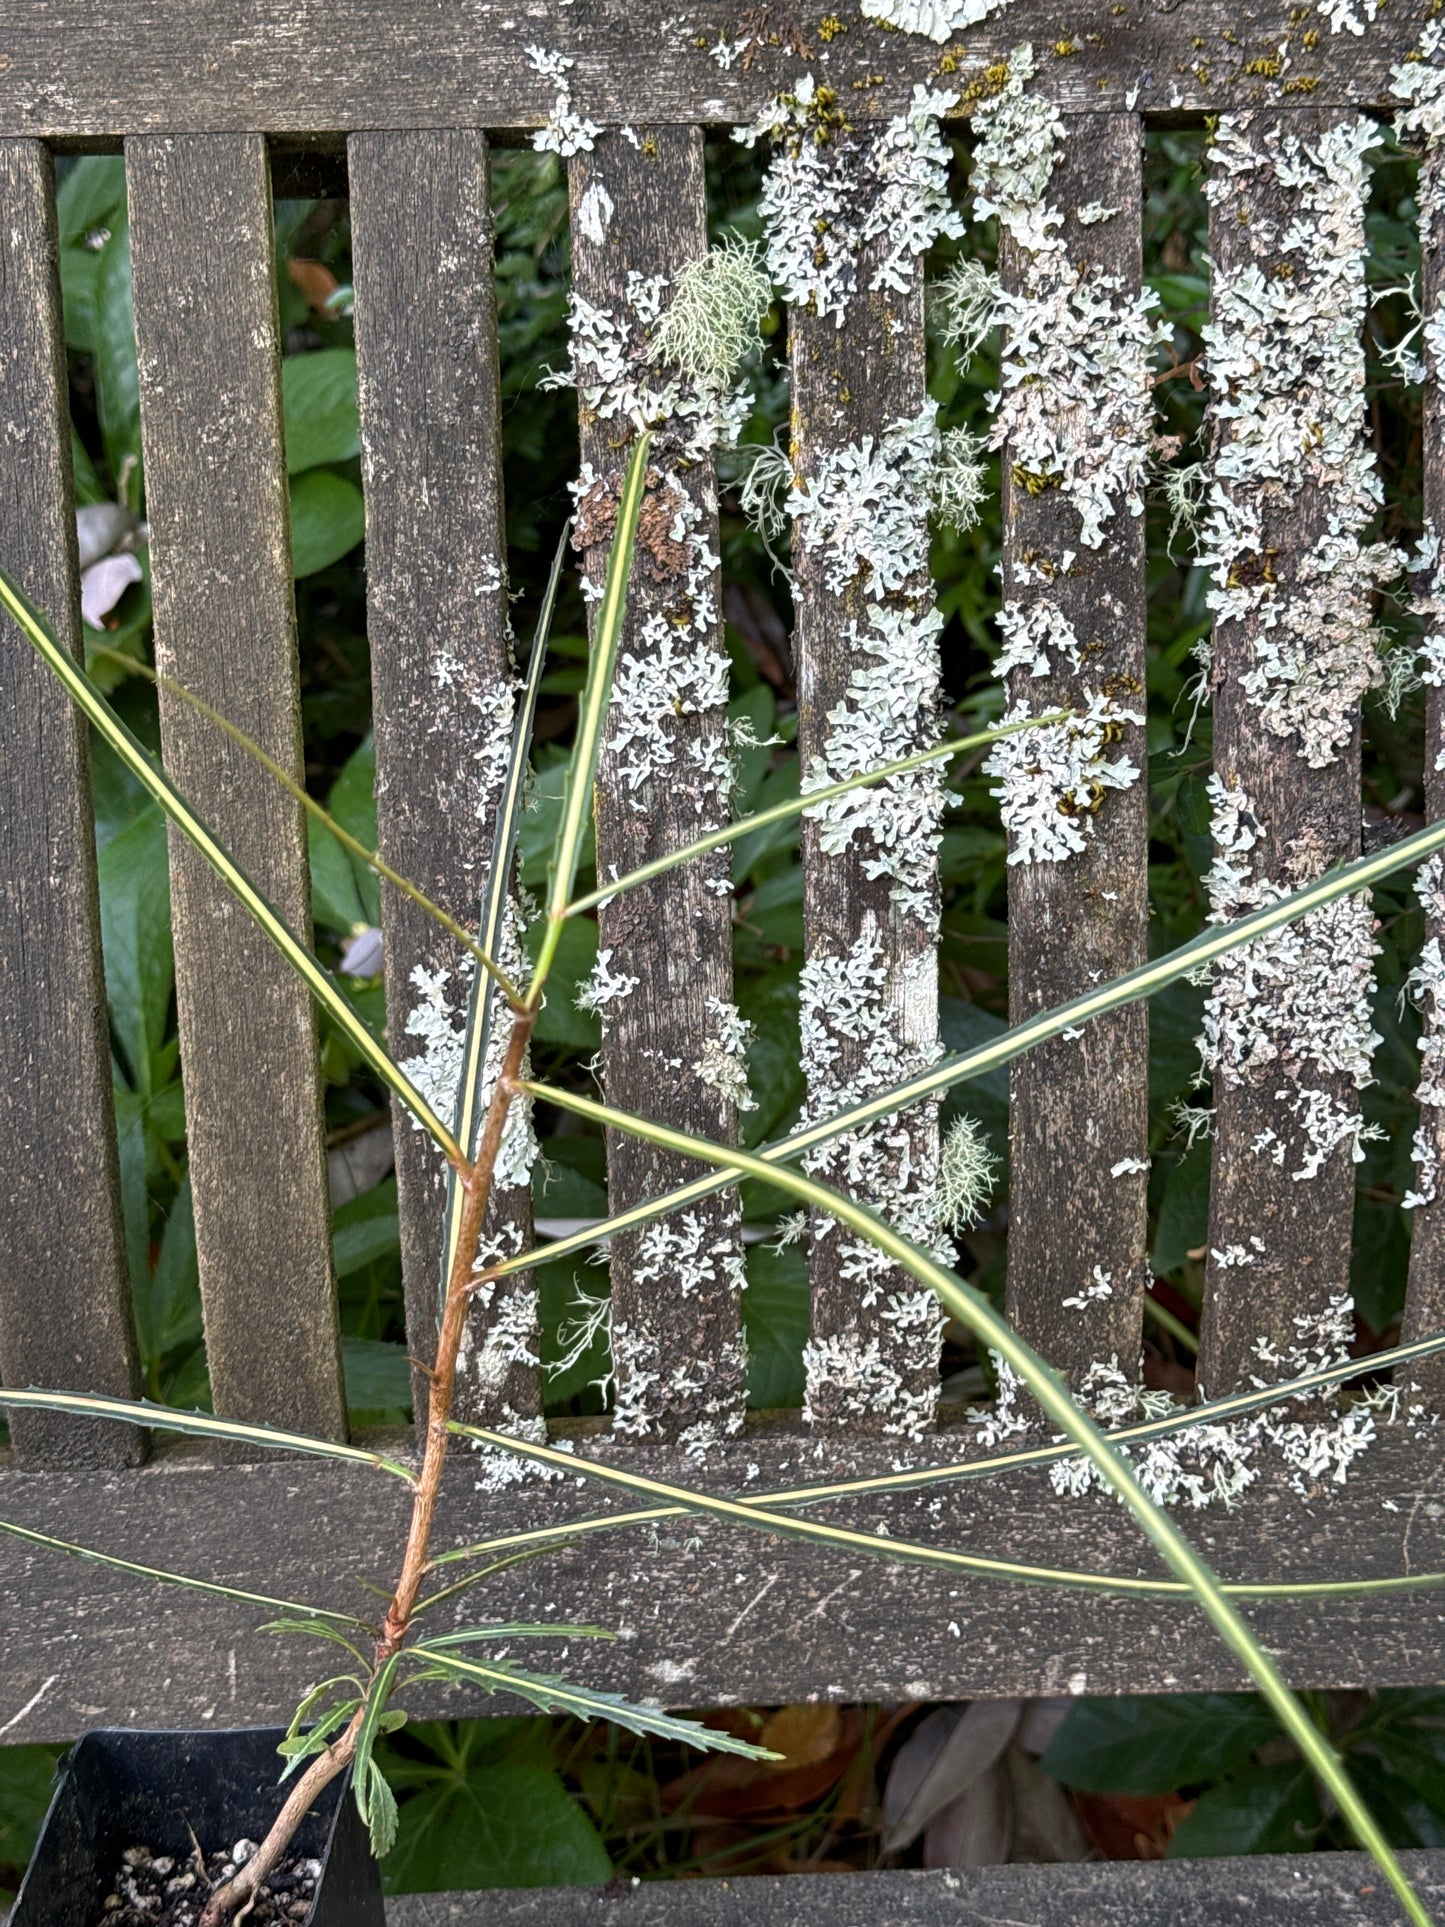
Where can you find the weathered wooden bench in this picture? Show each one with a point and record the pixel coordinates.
(400, 101)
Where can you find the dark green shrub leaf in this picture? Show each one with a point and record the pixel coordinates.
(1153, 1744)
(775, 1313)
(318, 394)
(1184, 1212)
(1269, 1809)
(328, 519)
(497, 1826)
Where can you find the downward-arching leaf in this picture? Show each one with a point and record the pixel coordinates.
(520, 1630)
(163, 1418)
(972, 1309)
(374, 1798)
(1215, 1412)
(950, 1071)
(52, 1544)
(756, 1514)
(592, 714)
(470, 1107)
(137, 760)
(552, 1695)
(795, 805)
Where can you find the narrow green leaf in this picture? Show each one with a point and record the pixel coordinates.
(592, 713)
(297, 1747)
(52, 1544)
(374, 1798)
(807, 800)
(470, 1110)
(552, 1695)
(471, 1634)
(164, 1418)
(134, 756)
(1214, 1412)
(950, 1071)
(969, 1306)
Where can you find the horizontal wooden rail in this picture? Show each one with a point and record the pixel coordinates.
(77, 70)
(707, 1613)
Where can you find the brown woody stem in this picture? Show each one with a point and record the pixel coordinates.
(476, 1182)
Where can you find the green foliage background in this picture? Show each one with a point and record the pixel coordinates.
(450, 1774)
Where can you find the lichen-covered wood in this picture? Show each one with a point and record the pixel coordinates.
(225, 627)
(673, 1046)
(1078, 373)
(866, 656)
(442, 678)
(64, 1287)
(83, 68)
(1287, 1033)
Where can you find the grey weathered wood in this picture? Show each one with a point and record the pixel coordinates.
(81, 68)
(64, 1289)
(1425, 1294)
(852, 383)
(709, 1614)
(676, 1287)
(441, 653)
(225, 627)
(1080, 1106)
(1304, 820)
(1308, 1890)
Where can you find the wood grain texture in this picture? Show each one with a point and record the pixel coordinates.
(708, 1614)
(663, 779)
(870, 982)
(441, 653)
(225, 627)
(79, 69)
(1425, 1293)
(1080, 1106)
(1307, 1890)
(1279, 1238)
(64, 1287)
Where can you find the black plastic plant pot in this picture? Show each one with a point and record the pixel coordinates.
(116, 1790)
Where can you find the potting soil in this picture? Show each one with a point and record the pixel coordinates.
(158, 1890)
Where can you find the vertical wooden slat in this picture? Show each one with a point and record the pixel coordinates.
(225, 626)
(1425, 1292)
(870, 906)
(1292, 488)
(1078, 1177)
(64, 1292)
(441, 663)
(639, 211)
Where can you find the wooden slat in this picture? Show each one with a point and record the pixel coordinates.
(1425, 1294)
(441, 654)
(870, 983)
(1080, 1107)
(639, 209)
(708, 1615)
(1307, 1890)
(1288, 757)
(225, 626)
(80, 68)
(64, 1289)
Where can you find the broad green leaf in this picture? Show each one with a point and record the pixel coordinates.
(1408, 1818)
(116, 381)
(560, 1021)
(1176, 1017)
(495, 1826)
(366, 1230)
(318, 394)
(537, 831)
(92, 192)
(168, 1305)
(328, 519)
(1155, 1744)
(1267, 1809)
(135, 921)
(88, 485)
(776, 1306)
(133, 1149)
(1184, 1209)
(27, 1780)
(378, 1375)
